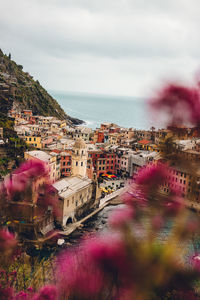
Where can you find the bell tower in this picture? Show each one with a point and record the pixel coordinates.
(79, 158)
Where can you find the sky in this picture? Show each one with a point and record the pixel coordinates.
(114, 47)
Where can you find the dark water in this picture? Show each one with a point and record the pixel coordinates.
(99, 224)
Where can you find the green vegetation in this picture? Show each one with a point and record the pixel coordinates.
(20, 87)
(12, 153)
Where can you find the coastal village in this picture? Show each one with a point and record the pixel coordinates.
(85, 166)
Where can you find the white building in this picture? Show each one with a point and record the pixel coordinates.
(82, 132)
(138, 159)
(73, 193)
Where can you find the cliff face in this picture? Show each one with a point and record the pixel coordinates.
(20, 87)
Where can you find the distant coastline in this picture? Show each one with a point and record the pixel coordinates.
(95, 109)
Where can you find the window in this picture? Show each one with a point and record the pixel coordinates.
(34, 139)
(180, 180)
(81, 163)
(29, 139)
(76, 163)
(67, 203)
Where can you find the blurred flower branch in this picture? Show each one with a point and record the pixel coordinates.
(130, 261)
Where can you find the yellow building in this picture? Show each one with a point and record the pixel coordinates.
(34, 141)
(63, 124)
(113, 138)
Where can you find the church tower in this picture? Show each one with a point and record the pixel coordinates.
(79, 158)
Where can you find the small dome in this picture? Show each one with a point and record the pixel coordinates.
(79, 144)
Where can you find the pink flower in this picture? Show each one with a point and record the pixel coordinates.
(93, 268)
(6, 293)
(7, 241)
(78, 276)
(21, 179)
(22, 296)
(180, 104)
(47, 197)
(134, 195)
(153, 175)
(109, 254)
(195, 261)
(48, 292)
(32, 169)
(121, 217)
(16, 183)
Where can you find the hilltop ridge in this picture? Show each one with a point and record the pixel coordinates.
(19, 87)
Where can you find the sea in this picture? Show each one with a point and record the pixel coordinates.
(95, 109)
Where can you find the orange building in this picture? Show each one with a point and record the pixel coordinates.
(65, 164)
(100, 138)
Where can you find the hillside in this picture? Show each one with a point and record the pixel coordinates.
(20, 87)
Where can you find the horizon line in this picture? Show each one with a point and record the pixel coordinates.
(79, 93)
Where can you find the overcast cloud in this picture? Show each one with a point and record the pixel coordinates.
(120, 47)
